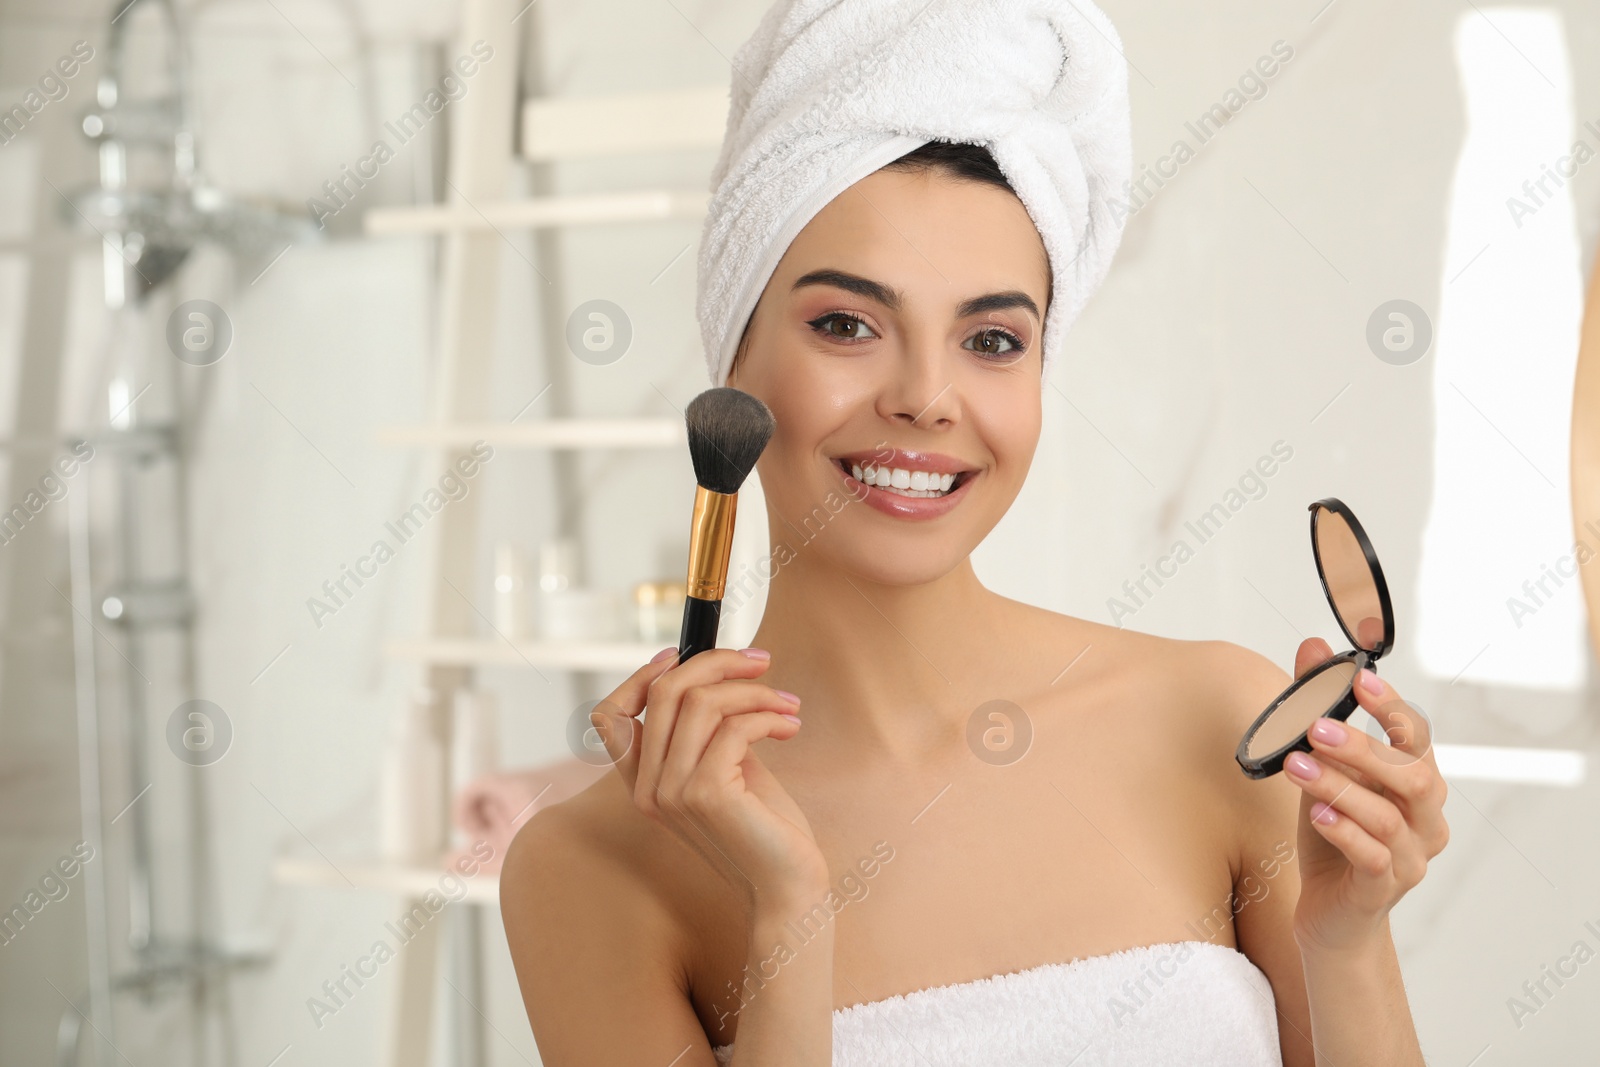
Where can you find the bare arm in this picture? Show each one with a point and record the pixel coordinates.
(788, 1022)
(1320, 931)
(600, 958)
(1359, 1012)
(597, 961)
(1338, 1008)
(1266, 869)
(594, 954)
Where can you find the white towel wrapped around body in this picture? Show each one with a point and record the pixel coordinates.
(1176, 1004)
(827, 91)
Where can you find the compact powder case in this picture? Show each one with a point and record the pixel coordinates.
(1354, 585)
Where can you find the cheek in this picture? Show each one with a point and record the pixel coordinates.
(813, 400)
(793, 469)
(1009, 422)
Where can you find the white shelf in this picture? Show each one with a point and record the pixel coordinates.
(536, 212)
(376, 876)
(624, 123)
(623, 657)
(544, 433)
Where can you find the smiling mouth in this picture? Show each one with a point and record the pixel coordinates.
(905, 481)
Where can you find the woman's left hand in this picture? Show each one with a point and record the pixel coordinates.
(1371, 814)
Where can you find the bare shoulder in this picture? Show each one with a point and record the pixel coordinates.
(1182, 705)
(1211, 684)
(1235, 682)
(1232, 685)
(585, 924)
(583, 856)
(562, 865)
(1207, 693)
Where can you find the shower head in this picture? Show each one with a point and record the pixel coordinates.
(153, 232)
(149, 231)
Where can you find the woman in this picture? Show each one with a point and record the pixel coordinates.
(833, 848)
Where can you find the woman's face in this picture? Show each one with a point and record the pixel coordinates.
(901, 330)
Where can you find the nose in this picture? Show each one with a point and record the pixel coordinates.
(921, 394)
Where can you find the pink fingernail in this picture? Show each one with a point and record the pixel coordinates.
(663, 654)
(1370, 682)
(792, 718)
(756, 653)
(1302, 766)
(785, 694)
(1329, 731)
(1321, 813)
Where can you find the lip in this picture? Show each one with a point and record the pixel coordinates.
(906, 507)
(933, 462)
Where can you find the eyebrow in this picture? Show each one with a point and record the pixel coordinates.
(892, 298)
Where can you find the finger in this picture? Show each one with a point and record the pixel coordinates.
(620, 738)
(663, 697)
(701, 712)
(1377, 815)
(1370, 858)
(630, 695)
(1414, 785)
(1312, 651)
(720, 790)
(720, 768)
(713, 665)
(622, 735)
(1324, 728)
(1406, 728)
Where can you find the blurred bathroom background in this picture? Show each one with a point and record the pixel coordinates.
(343, 350)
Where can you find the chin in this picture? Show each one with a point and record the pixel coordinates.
(841, 532)
(898, 565)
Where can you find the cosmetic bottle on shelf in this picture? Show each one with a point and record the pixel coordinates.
(475, 742)
(558, 565)
(567, 611)
(581, 615)
(513, 600)
(411, 800)
(658, 611)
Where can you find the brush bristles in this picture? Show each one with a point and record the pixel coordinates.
(728, 428)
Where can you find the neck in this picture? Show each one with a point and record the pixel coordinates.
(879, 666)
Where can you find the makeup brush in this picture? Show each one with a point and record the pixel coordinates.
(728, 429)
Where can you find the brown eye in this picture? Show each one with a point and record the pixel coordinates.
(996, 342)
(844, 327)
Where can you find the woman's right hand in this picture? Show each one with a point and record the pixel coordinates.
(690, 767)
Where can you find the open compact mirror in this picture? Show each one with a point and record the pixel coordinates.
(1353, 583)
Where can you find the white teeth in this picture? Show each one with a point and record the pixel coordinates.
(901, 481)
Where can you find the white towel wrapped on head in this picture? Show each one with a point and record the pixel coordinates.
(827, 91)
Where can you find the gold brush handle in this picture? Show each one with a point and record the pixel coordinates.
(710, 541)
